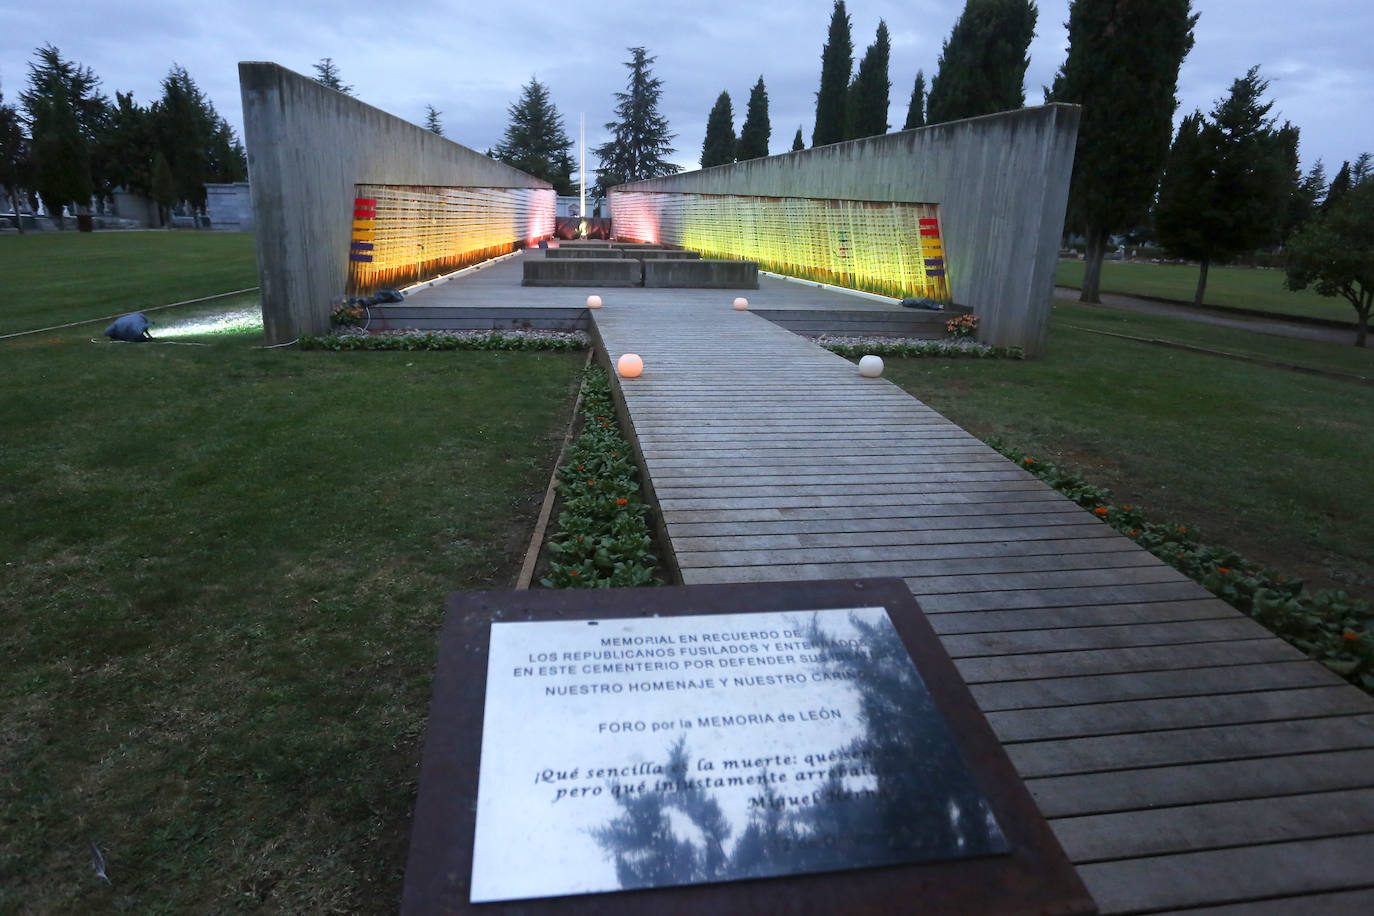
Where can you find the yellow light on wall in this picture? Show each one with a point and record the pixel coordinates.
(404, 233)
(891, 248)
(629, 365)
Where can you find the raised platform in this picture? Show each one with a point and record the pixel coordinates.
(492, 298)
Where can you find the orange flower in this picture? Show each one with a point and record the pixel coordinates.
(1126, 507)
(572, 572)
(621, 502)
(1223, 569)
(1351, 635)
(591, 483)
(1101, 510)
(1030, 461)
(1134, 533)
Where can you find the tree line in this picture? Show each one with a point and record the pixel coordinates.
(67, 143)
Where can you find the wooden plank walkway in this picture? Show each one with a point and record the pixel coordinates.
(1186, 758)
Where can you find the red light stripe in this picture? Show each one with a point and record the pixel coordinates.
(364, 201)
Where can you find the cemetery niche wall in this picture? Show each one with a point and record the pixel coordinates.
(679, 742)
(1000, 183)
(311, 147)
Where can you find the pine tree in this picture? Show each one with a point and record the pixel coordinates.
(1340, 186)
(432, 120)
(719, 146)
(916, 108)
(14, 157)
(837, 59)
(129, 145)
(754, 135)
(535, 141)
(1128, 111)
(162, 187)
(983, 64)
(797, 142)
(868, 97)
(66, 114)
(327, 73)
(184, 124)
(640, 139)
(1224, 184)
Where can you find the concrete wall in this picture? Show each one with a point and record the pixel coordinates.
(1002, 183)
(308, 146)
(229, 206)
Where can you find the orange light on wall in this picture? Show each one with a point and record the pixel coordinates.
(405, 233)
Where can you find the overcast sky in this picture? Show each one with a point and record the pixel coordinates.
(469, 60)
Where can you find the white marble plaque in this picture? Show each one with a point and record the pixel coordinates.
(653, 752)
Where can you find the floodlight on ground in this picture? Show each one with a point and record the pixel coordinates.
(629, 365)
(741, 303)
(871, 366)
(593, 302)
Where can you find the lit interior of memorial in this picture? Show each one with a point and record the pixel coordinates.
(884, 247)
(405, 234)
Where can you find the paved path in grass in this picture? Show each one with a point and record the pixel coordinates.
(1185, 756)
(1275, 325)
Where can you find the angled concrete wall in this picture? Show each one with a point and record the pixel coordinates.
(1002, 183)
(308, 146)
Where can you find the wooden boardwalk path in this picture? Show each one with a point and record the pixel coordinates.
(1185, 757)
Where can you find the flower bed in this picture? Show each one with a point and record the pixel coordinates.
(603, 540)
(1328, 625)
(449, 340)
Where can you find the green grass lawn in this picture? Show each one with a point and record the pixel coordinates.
(1271, 462)
(223, 578)
(1238, 287)
(1312, 354)
(52, 278)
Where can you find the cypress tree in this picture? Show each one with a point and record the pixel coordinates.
(798, 142)
(916, 108)
(868, 101)
(640, 139)
(754, 135)
(837, 60)
(983, 64)
(719, 146)
(1127, 117)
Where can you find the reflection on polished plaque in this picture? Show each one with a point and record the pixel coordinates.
(654, 752)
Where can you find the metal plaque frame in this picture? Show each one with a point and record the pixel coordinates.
(1035, 876)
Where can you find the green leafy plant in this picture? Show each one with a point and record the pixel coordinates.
(1328, 625)
(603, 540)
(924, 348)
(444, 340)
(962, 326)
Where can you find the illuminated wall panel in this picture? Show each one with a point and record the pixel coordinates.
(892, 248)
(405, 234)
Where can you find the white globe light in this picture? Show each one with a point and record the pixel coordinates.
(871, 366)
(741, 303)
(629, 365)
(593, 302)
